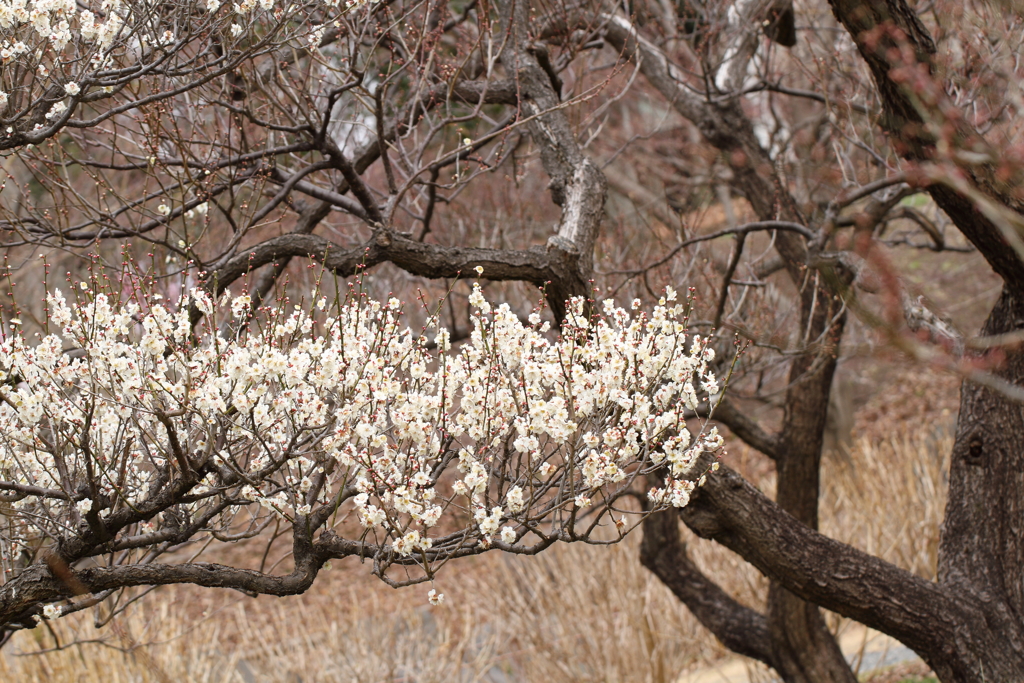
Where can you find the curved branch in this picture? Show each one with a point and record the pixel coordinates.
(826, 572)
(22, 597)
(747, 429)
(806, 94)
(725, 126)
(427, 260)
(740, 628)
(554, 270)
(333, 198)
(37, 491)
(577, 184)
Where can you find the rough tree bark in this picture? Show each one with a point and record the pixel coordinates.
(802, 644)
(968, 625)
(981, 550)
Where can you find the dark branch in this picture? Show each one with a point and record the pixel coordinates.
(747, 429)
(740, 628)
(818, 569)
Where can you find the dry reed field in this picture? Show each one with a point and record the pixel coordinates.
(572, 614)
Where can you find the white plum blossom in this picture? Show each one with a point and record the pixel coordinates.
(316, 36)
(61, 36)
(56, 110)
(88, 27)
(340, 411)
(108, 31)
(240, 306)
(514, 498)
(489, 523)
(41, 22)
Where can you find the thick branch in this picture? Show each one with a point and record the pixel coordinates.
(802, 645)
(22, 597)
(828, 573)
(747, 429)
(428, 260)
(740, 628)
(550, 269)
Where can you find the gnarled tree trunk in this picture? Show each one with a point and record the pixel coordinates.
(969, 625)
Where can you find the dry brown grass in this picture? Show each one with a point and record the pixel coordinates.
(573, 614)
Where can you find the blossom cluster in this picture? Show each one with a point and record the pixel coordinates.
(336, 409)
